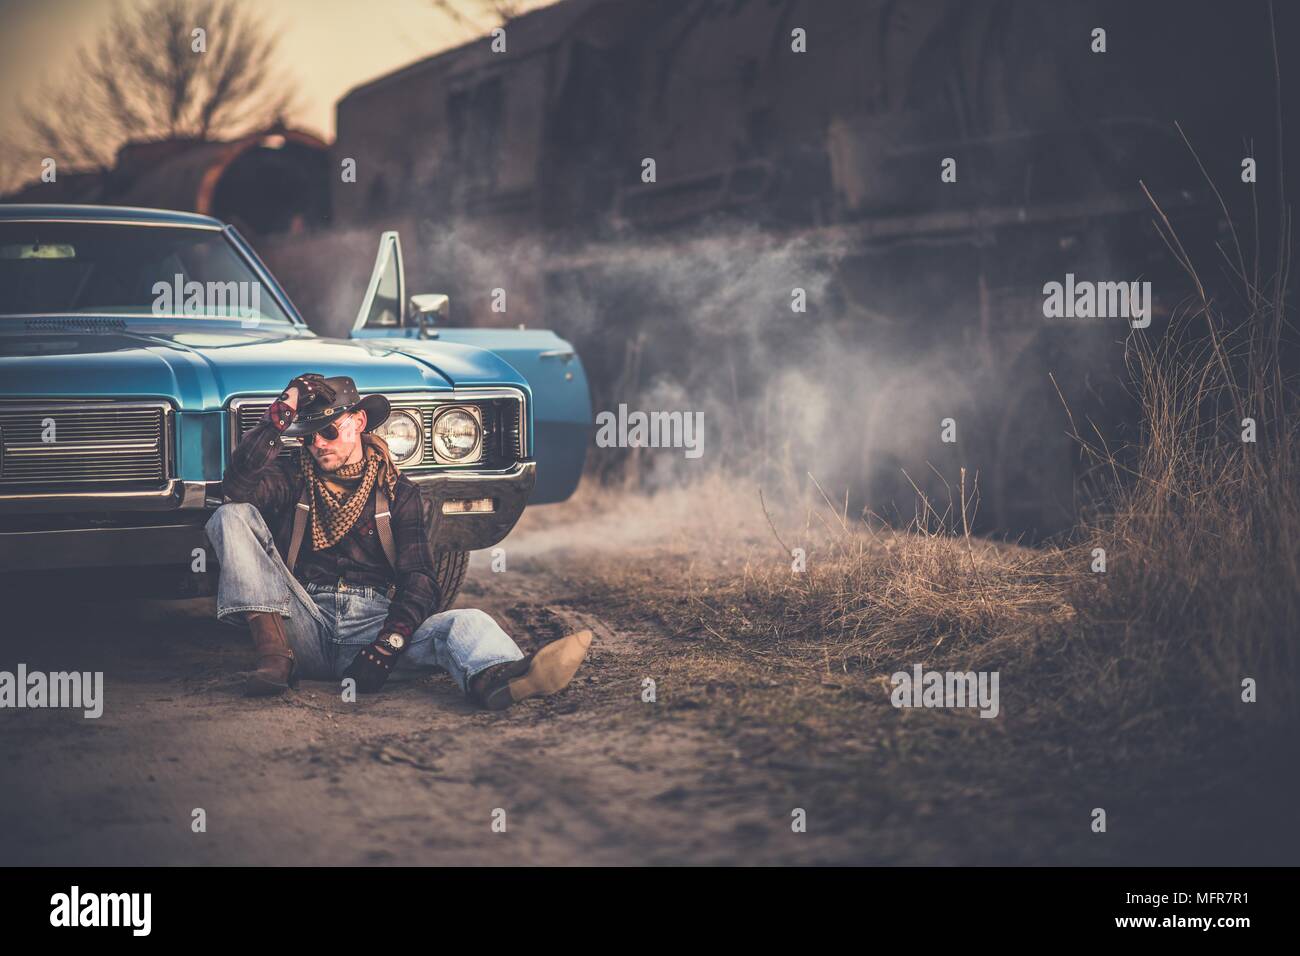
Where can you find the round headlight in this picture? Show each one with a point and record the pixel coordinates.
(456, 435)
(403, 436)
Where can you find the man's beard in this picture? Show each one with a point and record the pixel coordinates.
(336, 462)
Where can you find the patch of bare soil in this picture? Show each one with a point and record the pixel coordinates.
(711, 767)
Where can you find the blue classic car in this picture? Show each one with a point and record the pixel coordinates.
(137, 345)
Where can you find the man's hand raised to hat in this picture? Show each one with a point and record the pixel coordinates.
(307, 388)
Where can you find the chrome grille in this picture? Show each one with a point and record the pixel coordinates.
(503, 432)
(94, 444)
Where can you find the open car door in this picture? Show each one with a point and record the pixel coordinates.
(561, 400)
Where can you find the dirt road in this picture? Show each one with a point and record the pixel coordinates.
(597, 774)
(414, 775)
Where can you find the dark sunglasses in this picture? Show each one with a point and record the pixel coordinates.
(329, 432)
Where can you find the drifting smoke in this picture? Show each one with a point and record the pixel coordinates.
(857, 396)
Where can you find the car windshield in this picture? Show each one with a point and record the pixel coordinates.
(124, 269)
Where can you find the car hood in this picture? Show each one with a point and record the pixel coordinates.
(203, 369)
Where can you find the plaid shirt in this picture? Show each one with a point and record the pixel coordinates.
(258, 475)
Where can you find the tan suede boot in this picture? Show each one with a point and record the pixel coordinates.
(275, 665)
(537, 675)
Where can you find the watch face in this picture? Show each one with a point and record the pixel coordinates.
(396, 641)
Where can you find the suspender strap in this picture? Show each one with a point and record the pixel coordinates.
(300, 515)
(384, 525)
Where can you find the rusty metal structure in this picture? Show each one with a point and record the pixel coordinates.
(267, 182)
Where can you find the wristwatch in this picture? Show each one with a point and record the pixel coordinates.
(394, 642)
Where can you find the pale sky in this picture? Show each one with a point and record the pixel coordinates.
(328, 46)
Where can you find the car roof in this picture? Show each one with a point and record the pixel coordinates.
(134, 214)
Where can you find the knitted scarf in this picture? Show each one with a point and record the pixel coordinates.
(337, 498)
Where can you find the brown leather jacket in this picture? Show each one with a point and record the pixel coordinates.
(258, 475)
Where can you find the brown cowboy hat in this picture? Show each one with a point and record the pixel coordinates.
(314, 416)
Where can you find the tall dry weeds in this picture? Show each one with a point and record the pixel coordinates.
(1201, 528)
(1201, 533)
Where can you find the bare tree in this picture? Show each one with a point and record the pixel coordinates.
(472, 14)
(197, 69)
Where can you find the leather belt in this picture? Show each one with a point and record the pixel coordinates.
(344, 586)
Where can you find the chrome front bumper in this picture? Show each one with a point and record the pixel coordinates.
(172, 519)
(174, 496)
(509, 490)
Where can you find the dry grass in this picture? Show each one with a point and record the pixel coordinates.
(884, 598)
(1202, 528)
(1201, 532)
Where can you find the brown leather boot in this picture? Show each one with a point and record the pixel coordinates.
(274, 656)
(539, 674)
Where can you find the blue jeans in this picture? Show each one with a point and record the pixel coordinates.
(327, 626)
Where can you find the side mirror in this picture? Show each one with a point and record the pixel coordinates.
(428, 309)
